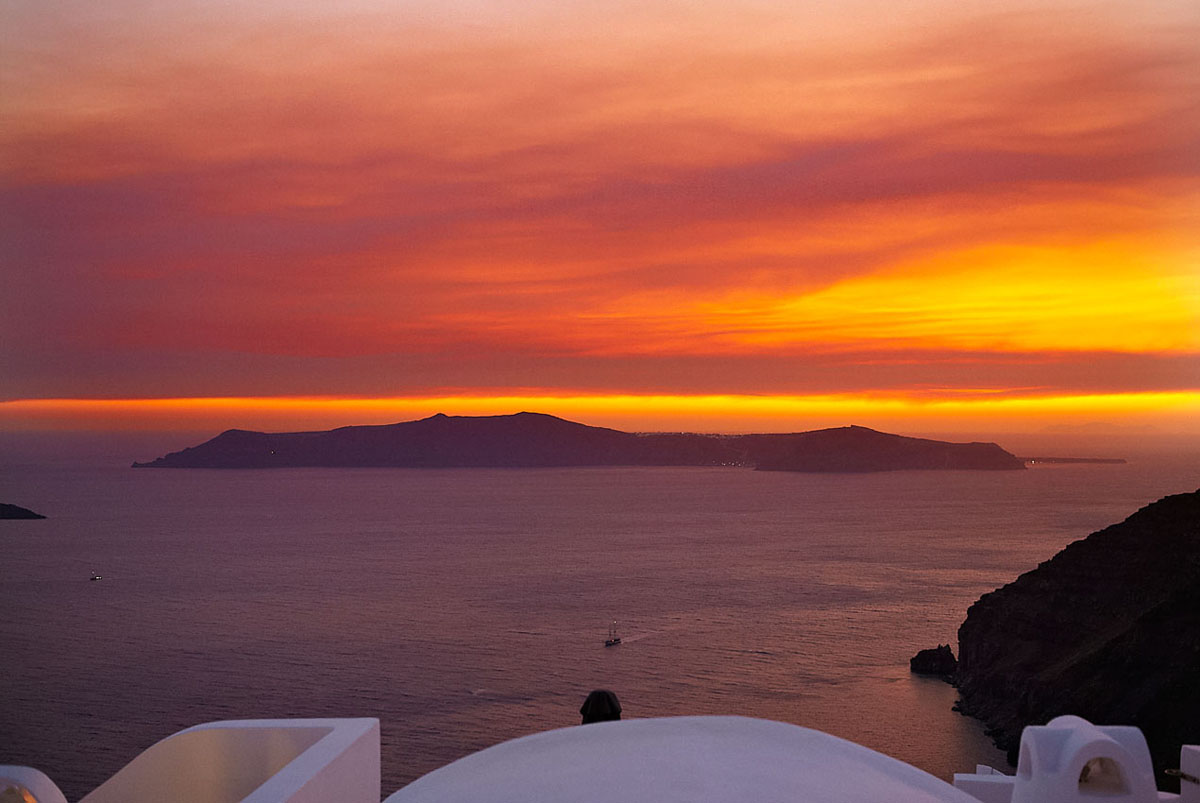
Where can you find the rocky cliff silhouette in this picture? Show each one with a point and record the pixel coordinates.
(17, 512)
(1108, 629)
(538, 440)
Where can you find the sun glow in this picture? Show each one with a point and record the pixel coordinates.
(1098, 297)
(958, 410)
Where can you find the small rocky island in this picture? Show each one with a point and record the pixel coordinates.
(939, 661)
(1108, 629)
(527, 440)
(17, 512)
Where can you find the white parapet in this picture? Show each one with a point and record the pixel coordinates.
(247, 761)
(1189, 764)
(27, 785)
(1070, 760)
(986, 784)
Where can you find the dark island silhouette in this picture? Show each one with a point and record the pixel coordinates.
(17, 512)
(1107, 629)
(533, 440)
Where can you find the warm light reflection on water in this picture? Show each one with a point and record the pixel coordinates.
(464, 607)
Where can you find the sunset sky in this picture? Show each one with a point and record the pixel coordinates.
(930, 216)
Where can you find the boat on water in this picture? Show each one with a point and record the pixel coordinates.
(613, 639)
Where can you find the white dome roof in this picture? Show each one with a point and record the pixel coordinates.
(693, 759)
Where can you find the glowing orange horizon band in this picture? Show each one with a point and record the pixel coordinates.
(948, 405)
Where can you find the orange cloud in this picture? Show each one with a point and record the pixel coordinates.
(622, 198)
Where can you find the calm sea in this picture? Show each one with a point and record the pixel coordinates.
(466, 607)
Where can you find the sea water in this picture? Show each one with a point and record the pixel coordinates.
(466, 607)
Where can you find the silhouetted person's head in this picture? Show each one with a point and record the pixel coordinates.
(600, 706)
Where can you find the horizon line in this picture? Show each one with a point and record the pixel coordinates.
(1156, 413)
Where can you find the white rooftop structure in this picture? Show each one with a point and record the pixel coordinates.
(696, 759)
(236, 761)
(678, 760)
(1070, 760)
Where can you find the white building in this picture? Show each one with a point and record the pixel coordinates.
(670, 760)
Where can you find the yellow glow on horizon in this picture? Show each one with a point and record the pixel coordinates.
(1098, 297)
(999, 411)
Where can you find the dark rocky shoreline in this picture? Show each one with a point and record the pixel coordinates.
(1107, 629)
